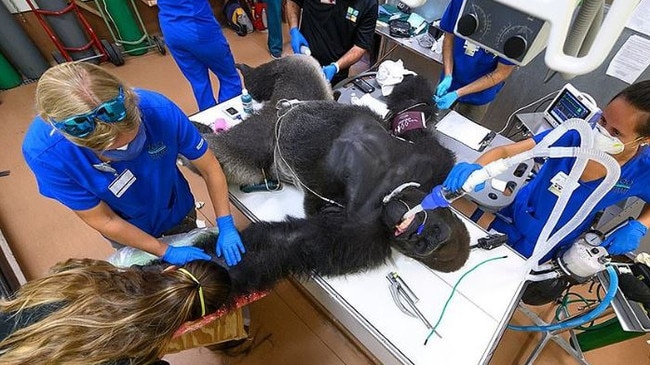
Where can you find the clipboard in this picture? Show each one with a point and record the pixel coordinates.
(465, 131)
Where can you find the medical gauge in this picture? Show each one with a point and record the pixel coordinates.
(519, 30)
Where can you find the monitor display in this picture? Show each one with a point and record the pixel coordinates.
(568, 106)
(570, 103)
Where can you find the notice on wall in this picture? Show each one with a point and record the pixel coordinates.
(640, 19)
(631, 60)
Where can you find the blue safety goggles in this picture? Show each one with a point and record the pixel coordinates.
(81, 125)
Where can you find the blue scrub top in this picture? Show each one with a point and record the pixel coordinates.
(534, 202)
(159, 197)
(468, 69)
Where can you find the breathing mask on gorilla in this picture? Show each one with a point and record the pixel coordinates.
(424, 235)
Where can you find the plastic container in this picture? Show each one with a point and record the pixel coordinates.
(247, 101)
(305, 50)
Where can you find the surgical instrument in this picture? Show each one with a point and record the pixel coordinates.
(401, 294)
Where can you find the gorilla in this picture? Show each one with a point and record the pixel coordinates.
(360, 173)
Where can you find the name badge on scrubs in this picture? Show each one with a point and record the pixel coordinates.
(559, 182)
(470, 48)
(122, 183)
(329, 2)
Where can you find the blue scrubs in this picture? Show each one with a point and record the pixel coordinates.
(468, 69)
(197, 44)
(157, 200)
(534, 202)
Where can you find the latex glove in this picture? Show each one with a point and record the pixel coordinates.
(297, 40)
(434, 199)
(329, 71)
(443, 85)
(459, 174)
(182, 255)
(626, 238)
(445, 101)
(229, 243)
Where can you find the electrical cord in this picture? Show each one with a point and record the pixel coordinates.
(453, 290)
(524, 107)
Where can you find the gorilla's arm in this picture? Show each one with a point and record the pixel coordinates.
(327, 244)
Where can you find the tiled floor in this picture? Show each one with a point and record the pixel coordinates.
(287, 327)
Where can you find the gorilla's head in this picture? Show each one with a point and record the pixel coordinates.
(437, 237)
(290, 77)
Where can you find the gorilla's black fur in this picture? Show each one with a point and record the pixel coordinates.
(346, 154)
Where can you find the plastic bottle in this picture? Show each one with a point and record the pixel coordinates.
(305, 50)
(247, 101)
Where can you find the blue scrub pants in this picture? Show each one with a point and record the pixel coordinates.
(274, 23)
(195, 58)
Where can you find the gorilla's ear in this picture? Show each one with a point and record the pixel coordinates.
(244, 68)
(259, 81)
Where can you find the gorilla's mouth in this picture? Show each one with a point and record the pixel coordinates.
(420, 235)
(402, 226)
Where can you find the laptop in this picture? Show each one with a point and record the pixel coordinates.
(571, 103)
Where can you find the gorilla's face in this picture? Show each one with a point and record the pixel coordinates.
(435, 237)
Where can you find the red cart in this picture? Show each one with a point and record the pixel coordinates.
(101, 49)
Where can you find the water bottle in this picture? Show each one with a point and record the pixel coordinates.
(305, 50)
(247, 101)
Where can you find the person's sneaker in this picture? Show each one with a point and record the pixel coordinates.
(276, 56)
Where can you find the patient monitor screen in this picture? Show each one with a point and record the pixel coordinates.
(567, 106)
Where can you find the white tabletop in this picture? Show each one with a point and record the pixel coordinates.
(474, 319)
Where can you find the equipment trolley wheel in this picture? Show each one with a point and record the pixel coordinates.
(160, 44)
(113, 53)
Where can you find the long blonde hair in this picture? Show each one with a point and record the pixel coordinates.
(108, 314)
(74, 88)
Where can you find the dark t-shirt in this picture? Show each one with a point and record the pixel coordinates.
(332, 29)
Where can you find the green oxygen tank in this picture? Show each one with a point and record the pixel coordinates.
(605, 334)
(119, 13)
(9, 77)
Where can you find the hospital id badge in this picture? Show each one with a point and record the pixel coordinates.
(122, 182)
(559, 182)
(470, 48)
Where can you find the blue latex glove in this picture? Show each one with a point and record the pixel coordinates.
(297, 40)
(443, 85)
(626, 238)
(329, 71)
(182, 255)
(445, 101)
(229, 243)
(459, 174)
(434, 199)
